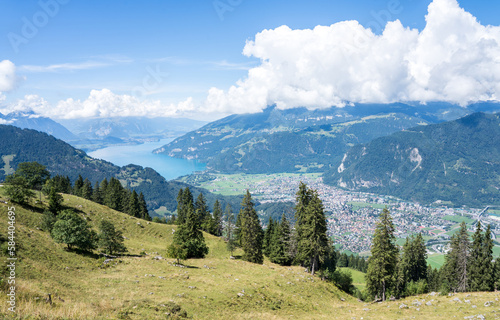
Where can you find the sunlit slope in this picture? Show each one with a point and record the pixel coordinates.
(217, 287)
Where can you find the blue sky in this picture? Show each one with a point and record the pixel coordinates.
(168, 51)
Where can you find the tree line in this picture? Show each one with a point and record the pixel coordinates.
(352, 261)
(34, 176)
(109, 193)
(469, 265)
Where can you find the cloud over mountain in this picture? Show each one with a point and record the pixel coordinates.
(454, 58)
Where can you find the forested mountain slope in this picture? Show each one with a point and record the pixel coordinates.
(457, 161)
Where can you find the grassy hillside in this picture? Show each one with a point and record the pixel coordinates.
(139, 287)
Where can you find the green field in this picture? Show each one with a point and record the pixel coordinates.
(237, 184)
(358, 278)
(436, 260)
(458, 219)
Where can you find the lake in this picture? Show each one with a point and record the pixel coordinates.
(141, 154)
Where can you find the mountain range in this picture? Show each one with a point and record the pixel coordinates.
(441, 165)
(456, 161)
(302, 140)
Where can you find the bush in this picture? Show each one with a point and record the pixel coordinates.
(74, 231)
(416, 288)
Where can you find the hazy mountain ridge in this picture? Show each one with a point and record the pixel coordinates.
(30, 120)
(457, 161)
(131, 127)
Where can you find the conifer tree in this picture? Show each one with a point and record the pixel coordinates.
(280, 250)
(113, 197)
(251, 232)
(488, 283)
(201, 210)
(384, 257)
(216, 228)
(133, 207)
(55, 201)
(412, 266)
(313, 240)
(481, 268)
(455, 269)
(183, 199)
(189, 237)
(97, 194)
(229, 217)
(143, 208)
(303, 197)
(86, 190)
(476, 259)
(343, 261)
(77, 189)
(267, 240)
(496, 273)
(237, 231)
(103, 186)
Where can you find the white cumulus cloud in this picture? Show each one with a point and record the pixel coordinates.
(8, 78)
(100, 103)
(454, 58)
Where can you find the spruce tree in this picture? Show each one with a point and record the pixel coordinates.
(281, 243)
(251, 232)
(86, 190)
(313, 240)
(189, 237)
(267, 240)
(113, 197)
(103, 186)
(77, 189)
(97, 194)
(55, 201)
(476, 259)
(216, 228)
(455, 270)
(481, 268)
(143, 208)
(488, 283)
(303, 197)
(496, 274)
(133, 207)
(184, 198)
(201, 210)
(229, 217)
(237, 231)
(384, 257)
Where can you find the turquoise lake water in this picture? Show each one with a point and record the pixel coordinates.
(170, 168)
